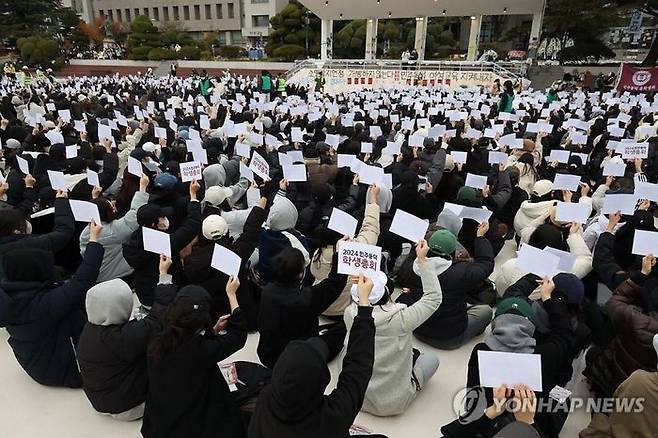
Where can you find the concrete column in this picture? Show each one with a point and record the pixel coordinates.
(229, 38)
(474, 38)
(421, 36)
(371, 38)
(535, 30)
(326, 37)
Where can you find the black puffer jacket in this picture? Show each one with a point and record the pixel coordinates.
(111, 355)
(450, 319)
(146, 263)
(44, 321)
(294, 404)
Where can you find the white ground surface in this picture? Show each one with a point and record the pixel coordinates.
(28, 409)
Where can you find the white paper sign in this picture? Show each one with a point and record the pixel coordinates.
(358, 258)
(156, 241)
(566, 182)
(645, 243)
(23, 165)
(370, 174)
(71, 151)
(624, 203)
(408, 226)
(459, 157)
(246, 172)
(190, 171)
(572, 212)
(537, 261)
(646, 190)
(497, 368)
(342, 223)
(226, 261)
(259, 166)
(57, 180)
(634, 150)
(475, 181)
(559, 156)
(613, 168)
(294, 172)
(92, 178)
(84, 211)
(242, 149)
(135, 167)
(498, 157)
(332, 140)
(567, 260)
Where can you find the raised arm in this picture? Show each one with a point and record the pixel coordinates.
(429, 270)
(346, 400)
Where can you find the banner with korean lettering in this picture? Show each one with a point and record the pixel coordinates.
(638, 79)
(358, 258)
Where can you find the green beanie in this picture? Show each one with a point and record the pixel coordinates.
(468, 196)
(443, 242)
(515, 305)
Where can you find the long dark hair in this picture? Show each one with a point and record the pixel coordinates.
(184, 318)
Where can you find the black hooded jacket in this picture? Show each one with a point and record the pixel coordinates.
(294, 404)
(289, 312)
(44, 319)
(146, 263)
(188, 396)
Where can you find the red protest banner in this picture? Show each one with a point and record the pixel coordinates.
(638, 79)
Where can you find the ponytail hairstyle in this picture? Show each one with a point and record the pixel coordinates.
(185, 317)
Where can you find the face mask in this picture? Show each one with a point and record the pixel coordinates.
(163, 225)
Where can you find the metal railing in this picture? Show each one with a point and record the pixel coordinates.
(507, 70)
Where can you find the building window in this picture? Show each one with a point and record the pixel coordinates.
(136, 12)
(128, 18)
(156, 14)
(165, 13)
(236, 37)
(208, 13)
(260, 20)
(176, 13)
(219, 13)
(101, 13)
(110, 15)
(259, 1)
(231, 12)
(186, 12)
(221, 38)
(146, 13)
(197, 12)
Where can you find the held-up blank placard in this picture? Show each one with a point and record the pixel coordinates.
(135, 167)
(92, 178)
(497, 368)
(408, 226)
(645, 243)
(156, 241)
(564, 181)
(475, 181)
(84, 211)
(459, 157)
(225, 260)
(572, 212)
(537, 261)
(623, 203)
(343, 223)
